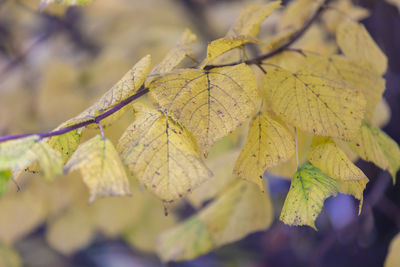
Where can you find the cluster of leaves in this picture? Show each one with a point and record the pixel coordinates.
(308, 105)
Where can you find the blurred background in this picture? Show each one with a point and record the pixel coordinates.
(55, 63)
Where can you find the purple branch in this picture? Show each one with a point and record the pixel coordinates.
(293, 39)
(142, 91)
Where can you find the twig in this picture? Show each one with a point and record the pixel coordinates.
(283, 47)
(142, 91)
(111, 111)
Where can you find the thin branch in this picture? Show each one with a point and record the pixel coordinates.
(283, 47)
(142, 91)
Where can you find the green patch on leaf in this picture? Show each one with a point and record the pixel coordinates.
(308, 191)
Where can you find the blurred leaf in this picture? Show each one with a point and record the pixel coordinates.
(241, 210)
(44, 3)
(129, 84)
(373, 145)
(297, 13)
(25, 211)
(393, 256)
(71, 231)
(341, 10)
(250, 19)
(222, 168)
(356, 43)
(175, 56)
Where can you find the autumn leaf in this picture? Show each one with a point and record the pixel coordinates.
(372, 144)
(162, 154)
(356, 43)
(65, 144)
(18, 154)
(357, 74)
(209, 103)
(340, 11)
(329, 158)
(129, 84)
(308, 191)
(297, 13)
(313, 103)
(269, 142)
(101, 168)
(393, 256)
(175, 56)
(241, 210)
(221, 167)
(250, 19)
(223, 45)
(71, 231)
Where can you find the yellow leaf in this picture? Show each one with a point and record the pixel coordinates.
(17, 205)
(185, 241)
(250, 19)
(129, 84)
(313, 103)
(297, 13)
(175, 56)
(393, 256)
(288, 169)
(356, 73)
(241, 210)
(210, 103)
(142, 233)
(329, 158)
(65, 144)
(101, 168)
(381, 115)
(308, 190)
(162, 154)
(269, 142)
(71, 231)
(17, 154)
(356, 43)
(372, 144)
(221, 167)
(341, 10)
(223, 45)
